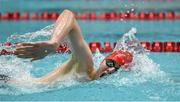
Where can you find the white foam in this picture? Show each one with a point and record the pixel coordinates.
(40, 35)
(143, 67)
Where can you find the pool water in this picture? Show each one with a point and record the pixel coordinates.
(154, 77)
(158, 80)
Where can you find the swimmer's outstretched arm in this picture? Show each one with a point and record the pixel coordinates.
(66, 25)
(38, 50)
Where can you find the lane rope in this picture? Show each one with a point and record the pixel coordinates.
(142, 15)
(157, 46)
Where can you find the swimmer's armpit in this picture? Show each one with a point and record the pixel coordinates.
(4, 78)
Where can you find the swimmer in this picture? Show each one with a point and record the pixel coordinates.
(81, 61)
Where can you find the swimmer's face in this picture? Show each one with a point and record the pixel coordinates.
(106, 68)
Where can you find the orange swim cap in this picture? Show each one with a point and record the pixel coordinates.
(120, 57)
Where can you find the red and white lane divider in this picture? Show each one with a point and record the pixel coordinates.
(151, 46)
(171, 15)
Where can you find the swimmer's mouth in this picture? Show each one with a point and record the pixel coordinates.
(4, 78)
(107, 73)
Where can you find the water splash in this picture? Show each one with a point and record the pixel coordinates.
(143, 68)
(19, 70)
(40, 35)
(97, 58)
(130, 43)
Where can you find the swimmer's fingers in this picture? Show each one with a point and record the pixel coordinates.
(34, 59)
(37, 58)
(33, 56)
(24, 56)
(25, 53)
(27, 48)
(25, 44)
(19, 52)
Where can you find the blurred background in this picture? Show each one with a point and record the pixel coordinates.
(98, 26)
(157, 23)
(88, 5)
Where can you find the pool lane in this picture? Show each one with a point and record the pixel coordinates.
(102, 30)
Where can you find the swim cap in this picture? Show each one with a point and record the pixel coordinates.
(120, 57)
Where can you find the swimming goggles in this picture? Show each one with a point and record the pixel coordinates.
(111, 63)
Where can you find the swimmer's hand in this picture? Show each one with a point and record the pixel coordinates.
(35, 50)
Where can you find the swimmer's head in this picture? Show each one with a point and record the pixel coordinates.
(114, 61)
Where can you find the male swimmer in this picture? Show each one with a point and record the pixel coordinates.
(81, 61)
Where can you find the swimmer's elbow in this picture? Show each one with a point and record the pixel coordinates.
(69, 13)
(69, 16)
